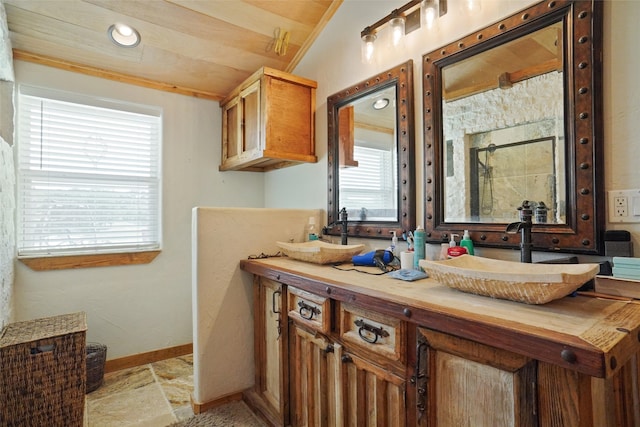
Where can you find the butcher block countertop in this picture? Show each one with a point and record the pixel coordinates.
(589, 335)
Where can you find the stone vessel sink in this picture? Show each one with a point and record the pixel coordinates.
(515, 281)
(319, 252)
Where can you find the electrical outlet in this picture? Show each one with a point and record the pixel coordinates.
(620, 206)
(624, 206)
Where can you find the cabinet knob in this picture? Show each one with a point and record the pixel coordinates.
(328, 348)
(346, 359)
(568, 355)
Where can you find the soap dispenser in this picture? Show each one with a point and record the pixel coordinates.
(455, 250)
(466, 242)
(310, 232)
(394, 243)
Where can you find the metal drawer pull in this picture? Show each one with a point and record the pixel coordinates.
(275, 294)
(363, 328)
(308, 309)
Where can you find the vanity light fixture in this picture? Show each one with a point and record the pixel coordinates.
(368, 39)
(123, 35)
(397, 29)
(401, 21)
(429, 11)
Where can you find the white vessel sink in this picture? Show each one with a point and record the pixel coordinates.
(515, 281)
(319, 252)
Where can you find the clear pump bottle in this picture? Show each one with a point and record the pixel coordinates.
(311, 233)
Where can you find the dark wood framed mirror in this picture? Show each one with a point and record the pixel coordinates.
(371, 146)
(533, 76)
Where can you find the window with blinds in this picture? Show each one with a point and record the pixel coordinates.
(88, 175)
(371, 186)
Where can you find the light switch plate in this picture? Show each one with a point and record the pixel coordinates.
(624, 205)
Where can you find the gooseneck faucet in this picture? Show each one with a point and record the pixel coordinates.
(524, 227)
(345, 226)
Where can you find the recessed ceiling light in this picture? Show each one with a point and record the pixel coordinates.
(381, 103)
(123, 35)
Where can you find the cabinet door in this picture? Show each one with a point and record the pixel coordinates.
(470, 384)
(231, 130)
(250, 98)
(315, 374)
(372, 396)
(271, 389)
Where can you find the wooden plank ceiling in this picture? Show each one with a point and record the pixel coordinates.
(202, 48)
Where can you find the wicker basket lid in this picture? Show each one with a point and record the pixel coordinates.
(47, 327)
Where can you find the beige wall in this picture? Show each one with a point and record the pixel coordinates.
(135, 309)
(223, 294)
(142, 308)
(334, 61)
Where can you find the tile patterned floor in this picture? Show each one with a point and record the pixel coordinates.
(152, 395)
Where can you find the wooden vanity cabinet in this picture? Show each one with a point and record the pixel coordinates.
(350, 372)
(268, 122)
(461, 380)
(315, 368)
(362, 351)
(270, 394)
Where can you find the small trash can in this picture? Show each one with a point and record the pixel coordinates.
(96, 357)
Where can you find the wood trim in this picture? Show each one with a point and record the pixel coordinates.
(282, 75)
(199, 408)
(86, 261)
(148, 357)
(504, 80)
(112, 75)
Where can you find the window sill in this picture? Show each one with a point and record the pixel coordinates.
(88, 261)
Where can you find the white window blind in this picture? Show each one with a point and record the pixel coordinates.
(371, 185)
(88, 176)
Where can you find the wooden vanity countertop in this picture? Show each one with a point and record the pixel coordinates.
(588, 335)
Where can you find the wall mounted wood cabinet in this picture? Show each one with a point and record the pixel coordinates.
(268, 122)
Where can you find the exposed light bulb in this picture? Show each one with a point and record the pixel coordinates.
(368, 48)
(430, 11)
(397, 30)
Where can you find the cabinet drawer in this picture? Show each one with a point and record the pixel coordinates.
(309, 309)
(372, 331)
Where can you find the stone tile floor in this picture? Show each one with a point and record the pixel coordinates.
(156, 394)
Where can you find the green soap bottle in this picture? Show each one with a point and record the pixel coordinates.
(466, 242)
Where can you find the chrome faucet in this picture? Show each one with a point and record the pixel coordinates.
(524, 227)
(345, 226)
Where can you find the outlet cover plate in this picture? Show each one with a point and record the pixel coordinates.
(624, 205)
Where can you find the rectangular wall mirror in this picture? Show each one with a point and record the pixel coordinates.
(371, 155)
(513, 112)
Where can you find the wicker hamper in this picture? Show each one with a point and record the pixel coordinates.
(43, 372)
(96, 357)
